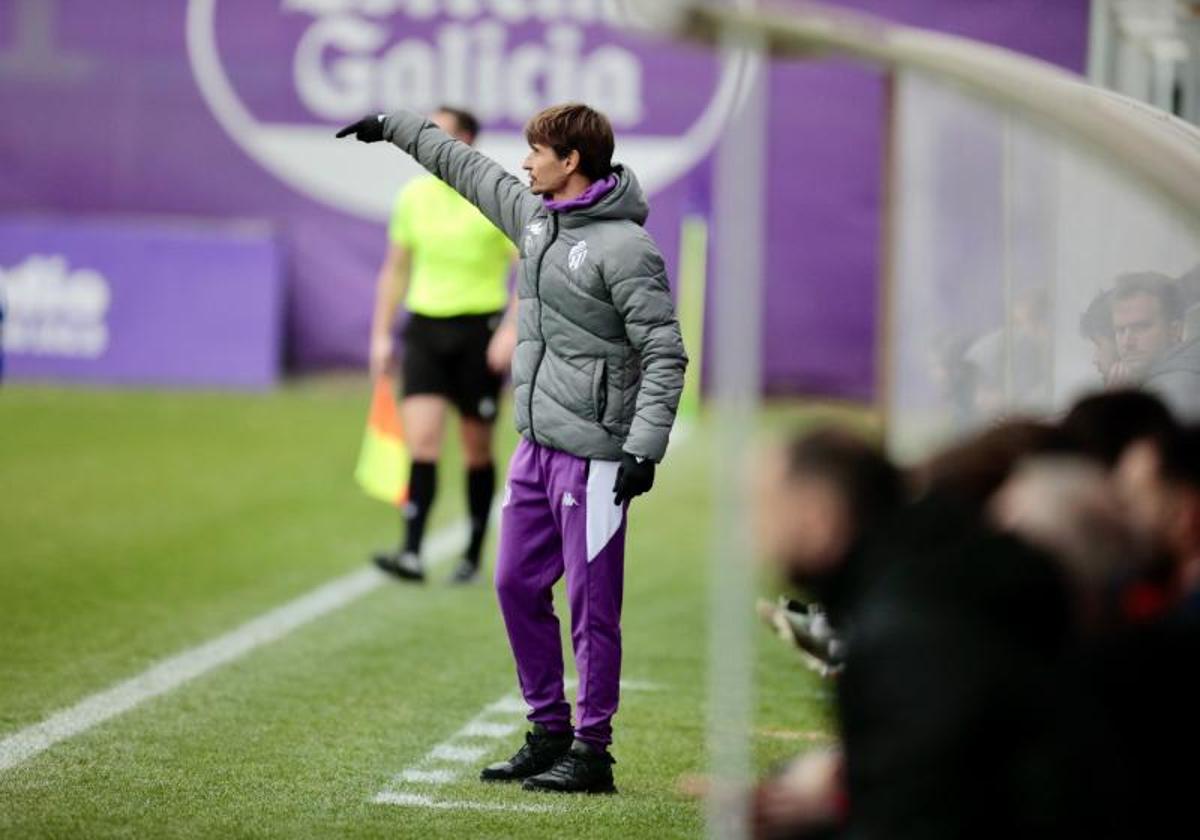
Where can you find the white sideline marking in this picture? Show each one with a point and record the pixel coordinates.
(422, 801)
(487, 730)
(479, 726)
(194, 662)
(429, 777)
(508, 705)
(461, 755)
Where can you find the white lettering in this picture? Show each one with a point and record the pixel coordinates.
(612, 83)
(53, 311)
(454, 45)
(509, 11)
(406, 77)
(490, 41)
(344, 67)
(344, 91)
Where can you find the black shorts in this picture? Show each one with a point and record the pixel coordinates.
(448, 357)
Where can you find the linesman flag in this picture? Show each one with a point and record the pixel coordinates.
(383, 463)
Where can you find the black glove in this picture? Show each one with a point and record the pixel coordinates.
(369, 129)
(634, 477)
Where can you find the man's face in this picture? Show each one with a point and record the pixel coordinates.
(449, 124)
(548, 173)
(1143, 332)
(801, 522)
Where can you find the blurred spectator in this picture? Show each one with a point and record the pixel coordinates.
(1141, 673)
(986, 355)
(1096, 325)
(974, 469)
(1102, 425)
(1189, 288)
(1068, 507)
(1147, 311)
(1159, 479)
(957, 715)
(955, 378)
(816, 500)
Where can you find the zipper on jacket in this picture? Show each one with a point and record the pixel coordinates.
(537, 290)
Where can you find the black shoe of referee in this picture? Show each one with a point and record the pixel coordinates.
(402, 564)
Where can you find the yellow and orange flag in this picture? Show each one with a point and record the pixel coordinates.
(383, 462)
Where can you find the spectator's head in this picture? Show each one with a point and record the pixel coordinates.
(1147, 315)
(1068, 507)
(1159, 481)
(818, 496)
(567, 143)
(459, 124)
(1096, 325)
(974, 469)
(1103, 425)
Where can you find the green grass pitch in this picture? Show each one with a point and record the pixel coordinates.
(135, 525)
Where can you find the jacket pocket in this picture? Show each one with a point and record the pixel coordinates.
(600, 388)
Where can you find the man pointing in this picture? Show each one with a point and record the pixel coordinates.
(597, 374)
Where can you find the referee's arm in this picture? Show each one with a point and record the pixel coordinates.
(389, 290)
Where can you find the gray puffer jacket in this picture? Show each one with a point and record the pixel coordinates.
(599, 361)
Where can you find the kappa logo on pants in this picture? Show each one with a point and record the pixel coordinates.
(568, 500)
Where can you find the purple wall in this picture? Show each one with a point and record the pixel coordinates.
(104, 113)
(141, 302)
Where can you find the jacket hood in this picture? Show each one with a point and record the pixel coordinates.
(624, 202)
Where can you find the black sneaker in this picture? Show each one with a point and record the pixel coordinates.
(584, 769)
(542, 749)
(467, 572)
(404, 565)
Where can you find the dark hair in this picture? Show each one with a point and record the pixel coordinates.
(1096, 321)
(974, 469)
(872, 486)
(1159, 286)
(1180, 457)
(467, 122)
(575, 127)
(1102, 425)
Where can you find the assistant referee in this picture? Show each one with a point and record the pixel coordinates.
(450, 265)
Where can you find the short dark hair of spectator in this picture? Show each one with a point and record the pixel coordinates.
(1096, 321)
(871, 485)
(973, 470)
(467, 122)
(1159, 286)
(1180, 457)
(1103, 425)
(575, 127)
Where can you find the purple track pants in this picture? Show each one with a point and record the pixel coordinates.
(558, 516)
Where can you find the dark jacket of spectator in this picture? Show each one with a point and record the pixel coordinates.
(957, 717)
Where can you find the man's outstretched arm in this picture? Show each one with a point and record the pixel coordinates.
(498, 194)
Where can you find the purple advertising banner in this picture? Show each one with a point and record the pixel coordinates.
(223, 108)
(141, 303)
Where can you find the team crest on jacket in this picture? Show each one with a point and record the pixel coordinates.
(577, 255)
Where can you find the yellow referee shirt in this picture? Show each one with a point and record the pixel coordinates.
(460, 260)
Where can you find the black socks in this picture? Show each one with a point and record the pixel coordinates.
(422, 485)
(481, 487)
